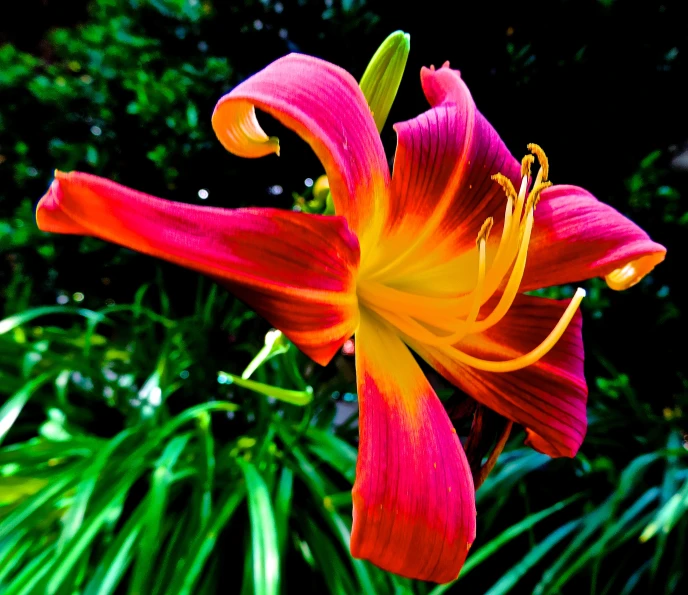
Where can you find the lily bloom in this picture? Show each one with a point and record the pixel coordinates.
(436, 257)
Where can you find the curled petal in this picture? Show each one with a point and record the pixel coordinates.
(325, 106)
(577, 237)
(414, 507)
(296, 270)
(548, 398)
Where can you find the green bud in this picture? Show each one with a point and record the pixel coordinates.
(381, 79)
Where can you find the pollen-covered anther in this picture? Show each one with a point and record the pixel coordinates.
(506, 185)
(430, 324)
(534, 196)
(542, 159)
(484, 232)
(526, 164)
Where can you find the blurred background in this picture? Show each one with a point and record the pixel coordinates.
(133, 456)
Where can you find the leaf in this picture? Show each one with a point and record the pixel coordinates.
(156, 502)
(16, 320)
(188, 574)
(333, 450)
(263, 532)
(602, 544)
(33, 507)
(104, 509)
(27, 580)
(493, 546)
(667, 516)
(13, 406)
(517, 572)
(513, 467)
(316, 484)
(84, 490)
(12, 555)
(115, 562)
(283, 504)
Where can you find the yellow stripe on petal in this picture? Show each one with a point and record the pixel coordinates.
(413, 491)
(445, 322)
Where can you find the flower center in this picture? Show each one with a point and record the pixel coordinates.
(444, 322)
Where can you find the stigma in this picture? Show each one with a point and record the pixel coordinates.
(444, 322)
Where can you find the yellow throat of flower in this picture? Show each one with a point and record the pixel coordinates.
(444, 322)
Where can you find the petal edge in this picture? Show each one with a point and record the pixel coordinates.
(414, 503)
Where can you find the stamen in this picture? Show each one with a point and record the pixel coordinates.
(530, 358)
(526, 164)
(518, 210)
(506, 185)
(377, 295)
(444, 321)
(484, 232)
(514, 282)
(542, 158)
(505, 230)
(534, 197)
(508, 245)
(409, 325)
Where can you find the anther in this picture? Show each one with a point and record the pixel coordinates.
(506, 185)
(484, 232)
(542, 158)
(534, 196)
(526, 164)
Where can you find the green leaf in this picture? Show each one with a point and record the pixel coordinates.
(263, 532)
(31, 511)
(74, 517)
(12, 322)
(532, 558)
(28, 579)
(184, 580)
(156, 503)
(13, 406)
(105, 509)
(667, 516)
(316, 484)
(491, 547)
(116, 560)
(333, 450)
(12, 554)
(283, 504)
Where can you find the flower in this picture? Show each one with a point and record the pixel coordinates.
(436, 257)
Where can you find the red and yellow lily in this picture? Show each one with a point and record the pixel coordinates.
(436, 257)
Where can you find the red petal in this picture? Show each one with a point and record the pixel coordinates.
(577, 237)
(326, 107)
(414, 503)
(296, 270)
(547, 398)
(441, 186)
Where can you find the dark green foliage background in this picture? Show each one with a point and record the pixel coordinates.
(104, 490)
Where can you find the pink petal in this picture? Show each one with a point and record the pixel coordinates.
(577, 237)
(325, 106)
(296, 270)
(414, 507)
(441, 186)
(548, 398)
